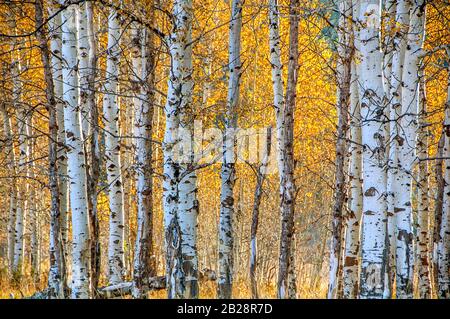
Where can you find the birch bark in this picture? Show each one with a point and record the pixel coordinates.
(112, 153)
(76, 170)
(344, 62)
(225, 278)
(443, 250)
(180, 181)
(260, 178)
(353, 219)
(11, 163)
(143, 86)
(284, 108)
(57, 281)
(374, 174)
(56, 65)
(407, 145)
(423, 212)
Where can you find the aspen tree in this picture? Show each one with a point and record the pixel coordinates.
(55, 26)
(373, 140)
(112, 152)
(180, 180)
(407, 143)
(76, 165)
(284, 108)
(344, 62)
(143, 59)
(353, 219)
(423, 211)
(57, 284)
(11, 163)
(225, 278)
(443, 250)
(23, 133)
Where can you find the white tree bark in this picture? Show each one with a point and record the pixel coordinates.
(395, 97)
(390, 49)
(355, 205)
(84, 67)
(143, 59)
(34, 228)
(443, 250)
(180, 181)
(11, 164)
(260, 178)
(423, 211)
(76, 169)
(343, 68)
(373, 139)
(22, 204)
(112, 153)
(284, 108)
(225, 274)
(56, 64)
(407, 143)
(57, 284)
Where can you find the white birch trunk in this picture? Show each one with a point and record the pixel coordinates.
(343, 68)
(112, 153)
(395, 97)
(423, 211)
(56, 62)
(22, 123)
(374, 188)
(407, 142)
(11, 164)
(391, 151)
(225, 275)
(180, 187)
(443, 250)
(57, 283)
(143, 59)
(76, 169)
(284, 109)
(355, 205)
(84, 67)
(33, 212)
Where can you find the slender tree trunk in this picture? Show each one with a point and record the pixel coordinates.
(63, 186)
(284, 108)
(395, 98)
(11, 164)
(353, 220)
(392, 49)
(95, 157)
(57, 281)
(22, 123)
(374, 201)
(76, 171)
(225, 275)
(444, 234)
(84, 70)
(344, 63)
(423, 212)
(143, 87)
(406, 140)
(112, 153)
(33, 212)
(438, 208)
(180, 181)
(260, 178)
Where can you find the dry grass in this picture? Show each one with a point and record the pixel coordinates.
(241, 289)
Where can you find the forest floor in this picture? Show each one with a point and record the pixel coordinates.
(241, 289)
